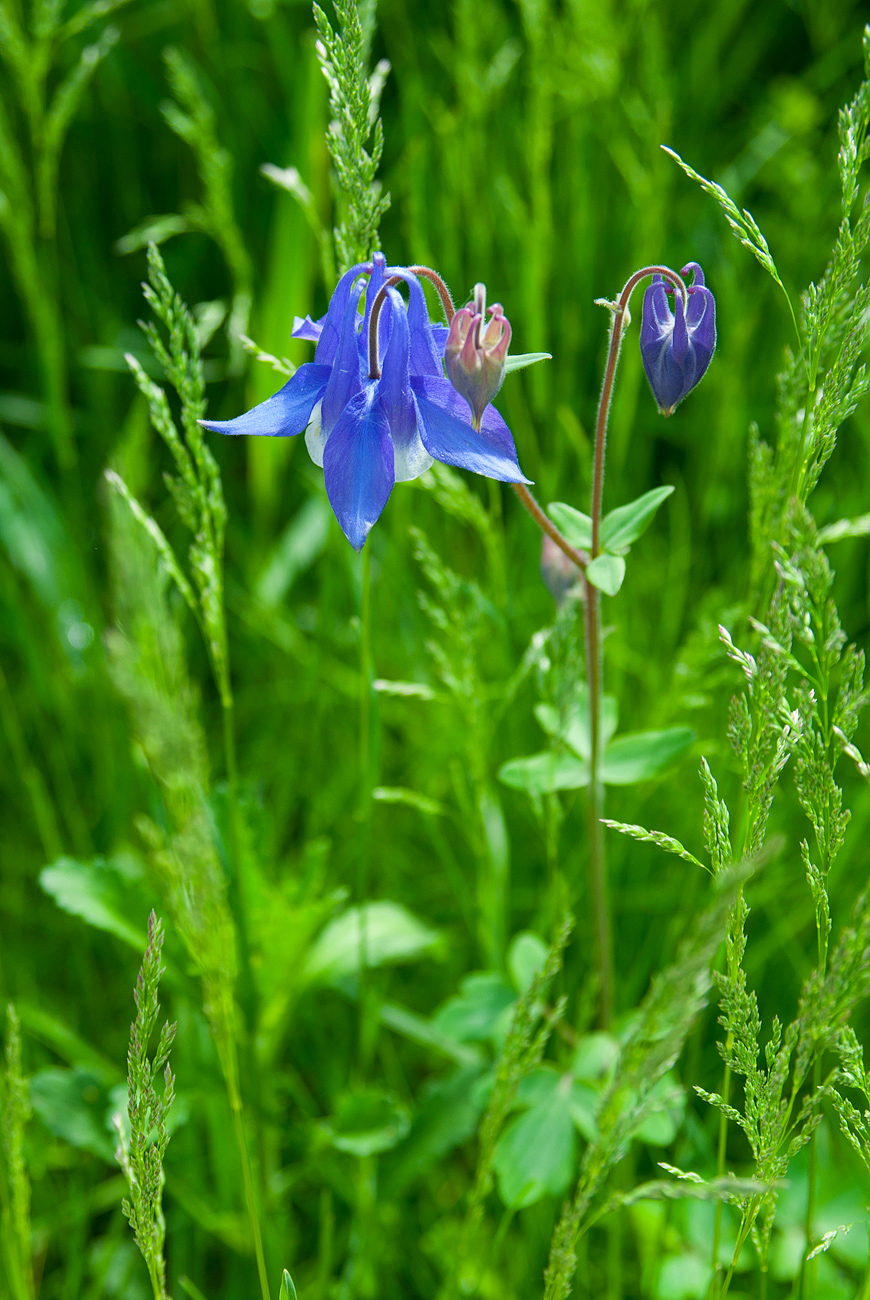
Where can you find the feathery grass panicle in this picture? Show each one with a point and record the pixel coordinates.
(195, 488)
(354, 98)
(147, 663)
(141, 1154)
(15, 1110)
(803, 695)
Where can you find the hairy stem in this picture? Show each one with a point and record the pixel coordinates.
(580, 558)
(594, 652)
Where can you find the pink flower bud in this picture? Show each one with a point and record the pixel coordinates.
(476, 352)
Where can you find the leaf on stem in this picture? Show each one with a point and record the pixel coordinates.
(606, 572)
(627, 523)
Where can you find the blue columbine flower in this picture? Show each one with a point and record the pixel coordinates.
(676, 348)
(381, 415)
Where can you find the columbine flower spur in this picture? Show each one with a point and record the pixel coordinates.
(676, 348)
(375, 403)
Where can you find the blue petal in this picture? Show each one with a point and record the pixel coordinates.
(657, 321)
(448, 436)
(701, 319)
(333, 321)
(286, 413)
(345, 381)
(397, 400)
(375, 284)
(358, 466)
(680, 341)
(439, 337)
(308, 329)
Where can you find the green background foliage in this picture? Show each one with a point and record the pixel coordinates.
(521, 148)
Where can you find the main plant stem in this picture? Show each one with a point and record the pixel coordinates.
(594, 649)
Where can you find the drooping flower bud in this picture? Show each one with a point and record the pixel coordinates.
(676, 346)
(476, 351)
(561, 575)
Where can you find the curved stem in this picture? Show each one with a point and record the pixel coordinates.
(594, 653)
(580, 558)
(619, 309)
(374, 358)
(597, 860)
(443, 292)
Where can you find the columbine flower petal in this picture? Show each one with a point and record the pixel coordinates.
(449, 437)
(345, 380)
(332, 324)
(306, 328)
(287, 412)
(397, 401)
(358, 465)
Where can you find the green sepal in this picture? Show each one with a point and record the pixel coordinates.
(523, 359)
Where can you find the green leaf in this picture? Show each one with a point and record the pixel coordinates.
(545, 773)
(661, 1126)
(385, 932)
(479, 1011)
(606, 572)
(643, 754)
(367, 1122)
(447, 1115)
(572, 725)
(683, 1277)
(523, 359)
(595, 1057)
(420, 1030)
(537, 1089)
(526, 956)
(71, 1105)
(288, 1290)
(626, 524)
(574, 526)
(535, 1154)
(98, 892)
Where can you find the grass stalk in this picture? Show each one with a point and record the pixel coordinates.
(248, 1184)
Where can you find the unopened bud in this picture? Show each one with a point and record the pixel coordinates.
(476, 352)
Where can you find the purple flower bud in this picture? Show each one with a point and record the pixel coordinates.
(561, 575)
(676, 347)
(475, 352)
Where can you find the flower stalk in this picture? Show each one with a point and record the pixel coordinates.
(594, 653)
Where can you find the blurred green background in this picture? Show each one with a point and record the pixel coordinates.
(522, 149)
